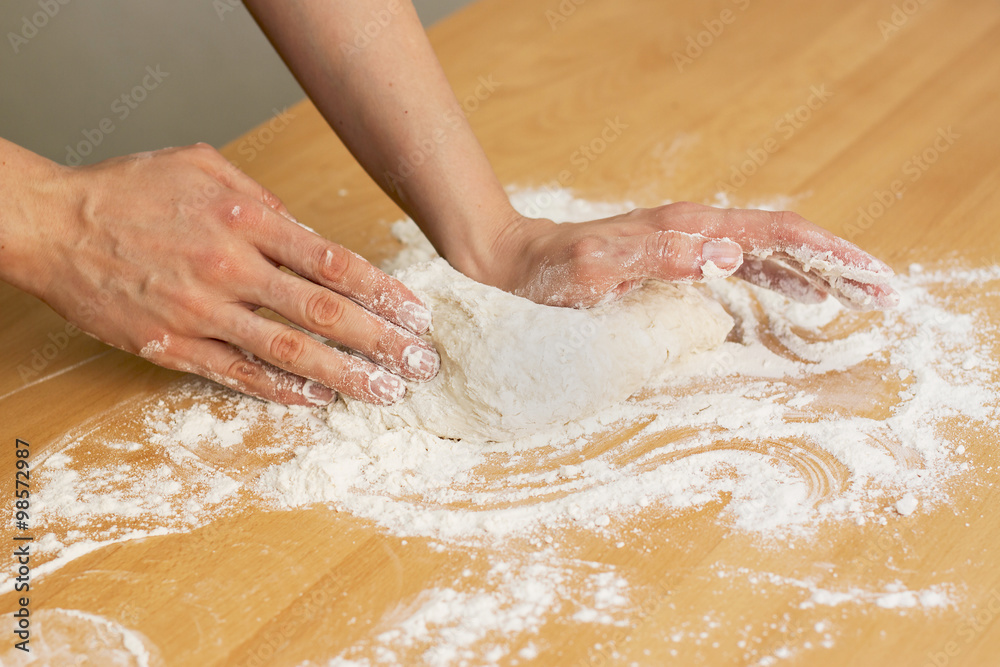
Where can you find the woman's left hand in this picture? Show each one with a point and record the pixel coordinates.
(582, 264)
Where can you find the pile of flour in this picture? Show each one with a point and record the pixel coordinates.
(805, 416)
(511, 368)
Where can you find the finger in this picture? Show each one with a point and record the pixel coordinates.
(852, 275)
(773, 276)
(337, 268)
(764, 232)
(331, 315)
(676, 256)
(237, 180)
(853, 294)
(809, 287)
(234, 177)
(300, 354)
(241, 371)
(860, 295)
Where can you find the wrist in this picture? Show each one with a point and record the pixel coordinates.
(504, 255)
(33, 214)
(472, 250)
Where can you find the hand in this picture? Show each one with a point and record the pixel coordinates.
(581, 264)
(169, 255)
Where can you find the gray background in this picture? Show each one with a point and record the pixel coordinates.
(221, 75)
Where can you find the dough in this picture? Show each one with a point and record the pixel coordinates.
(511, 367)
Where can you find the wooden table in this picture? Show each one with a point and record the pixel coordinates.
(824, 103)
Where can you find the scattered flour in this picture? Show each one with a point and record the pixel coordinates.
(807, 416)
(65, 636)
(445, 626)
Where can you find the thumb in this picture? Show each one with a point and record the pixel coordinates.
(672, 255)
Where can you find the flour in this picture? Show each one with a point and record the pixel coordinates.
(447, 626)
(512, 368)
(892, 595)
(907, 505)
(710, 271)
(155, 347)
(808, 417)
(62, 636)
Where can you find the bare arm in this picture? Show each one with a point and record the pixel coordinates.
(391, 104)
(169, 254)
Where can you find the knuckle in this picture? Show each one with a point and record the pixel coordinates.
(788, 219)
(586, 248)
(681, 208)
(202, 151)
(271, 200)
(662, 245)
(204, 148)
(282, 290)
(188, 307)
(217, 263)
(675, 255)
(236, 214)
(324, 310)
(333, 262)
(644, 220)
(286, 347)
(243, 371)
(390, 346)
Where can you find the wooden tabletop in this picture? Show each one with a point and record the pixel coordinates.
(830, 104)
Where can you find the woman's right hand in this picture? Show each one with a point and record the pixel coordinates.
(169, 254)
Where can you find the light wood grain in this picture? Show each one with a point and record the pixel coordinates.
(304, 585)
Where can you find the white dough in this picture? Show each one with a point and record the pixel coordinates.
(512, 368)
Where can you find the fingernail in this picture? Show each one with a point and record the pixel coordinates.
(386, 386)
(724, 254)
(422, 361)
(415, 317)
(317, 394)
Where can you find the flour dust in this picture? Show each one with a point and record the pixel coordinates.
(807, 420)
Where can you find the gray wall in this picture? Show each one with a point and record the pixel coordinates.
(189, 70)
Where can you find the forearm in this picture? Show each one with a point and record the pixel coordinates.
(30, 188)
(392, 106)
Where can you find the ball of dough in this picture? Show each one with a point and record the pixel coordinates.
(511, 367)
